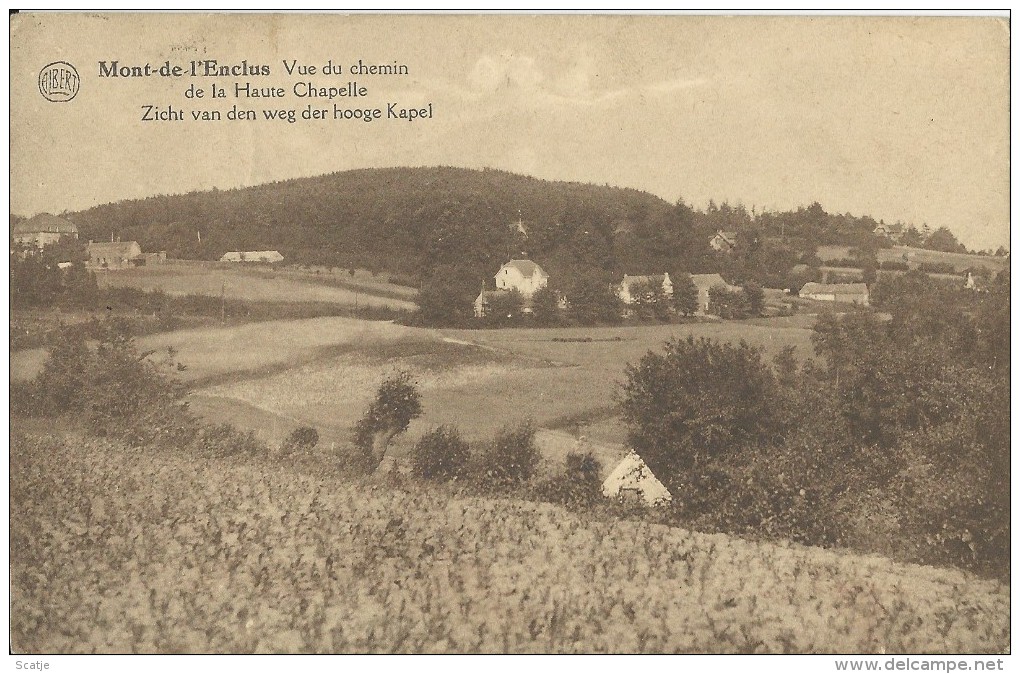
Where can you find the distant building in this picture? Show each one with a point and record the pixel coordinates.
(482, 302)
(115, 255)
(632, 480)
(522, 275)
(723, 242)
(704, 283)
(252, 256)
(627, 291)
(849, 293)
(43, 229)
(892, 232)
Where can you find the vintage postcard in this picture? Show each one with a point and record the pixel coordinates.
(506, 334)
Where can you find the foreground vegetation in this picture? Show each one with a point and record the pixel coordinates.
(119, 550)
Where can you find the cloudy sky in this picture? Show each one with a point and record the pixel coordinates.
(900, 118)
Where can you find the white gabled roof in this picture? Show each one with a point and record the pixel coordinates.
(633, 474)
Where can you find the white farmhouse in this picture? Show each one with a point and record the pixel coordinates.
(522, 275)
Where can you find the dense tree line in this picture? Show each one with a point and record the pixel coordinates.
(37, 279)
(414, 221)
(896, 439)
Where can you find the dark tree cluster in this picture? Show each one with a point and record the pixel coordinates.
(897, 441)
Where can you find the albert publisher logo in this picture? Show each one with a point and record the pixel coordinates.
(59, 82)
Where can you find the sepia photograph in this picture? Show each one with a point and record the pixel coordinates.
(508, 334)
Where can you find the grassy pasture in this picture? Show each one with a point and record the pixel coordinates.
(274, 376)
(915, 256)
(252, 285)
(476, 380)
(361, 281)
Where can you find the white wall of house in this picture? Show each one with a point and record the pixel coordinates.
(510, 278)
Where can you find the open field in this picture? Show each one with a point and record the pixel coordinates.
(915, 256)
(361, 280)
(477, 380)
(120, 551)
(323, 372)
(252, 285)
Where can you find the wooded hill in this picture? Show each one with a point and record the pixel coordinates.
(412, 221)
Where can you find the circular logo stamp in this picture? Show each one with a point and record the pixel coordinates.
(59, 82)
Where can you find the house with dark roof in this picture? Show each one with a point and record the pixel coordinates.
(43, 229)
(628, 291)
(849, 293)
(723, 242)
(892, 232)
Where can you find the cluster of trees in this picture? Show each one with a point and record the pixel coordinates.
(941, 239)
(418, 221)
(897, 439)
(36, 279)
(112, 389)
(591, 298)
(747, 302)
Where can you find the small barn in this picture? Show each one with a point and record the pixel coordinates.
(849, 293)
(633, 480)
(252, 256)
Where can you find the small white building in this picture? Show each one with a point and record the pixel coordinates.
(633, 480)
(849, 293)
(522, 275)
(628, 290)
(252, 256)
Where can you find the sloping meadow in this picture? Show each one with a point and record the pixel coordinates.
(137, 551)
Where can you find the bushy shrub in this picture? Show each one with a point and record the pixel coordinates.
(728, 303)
(580, 483)
(111, 389)
(396, 403)
(225, 440)
(937, 268)
(699, 400)
(440, 454)
(512, 457)
(755, 296)
(300, 439)
(893, 265)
